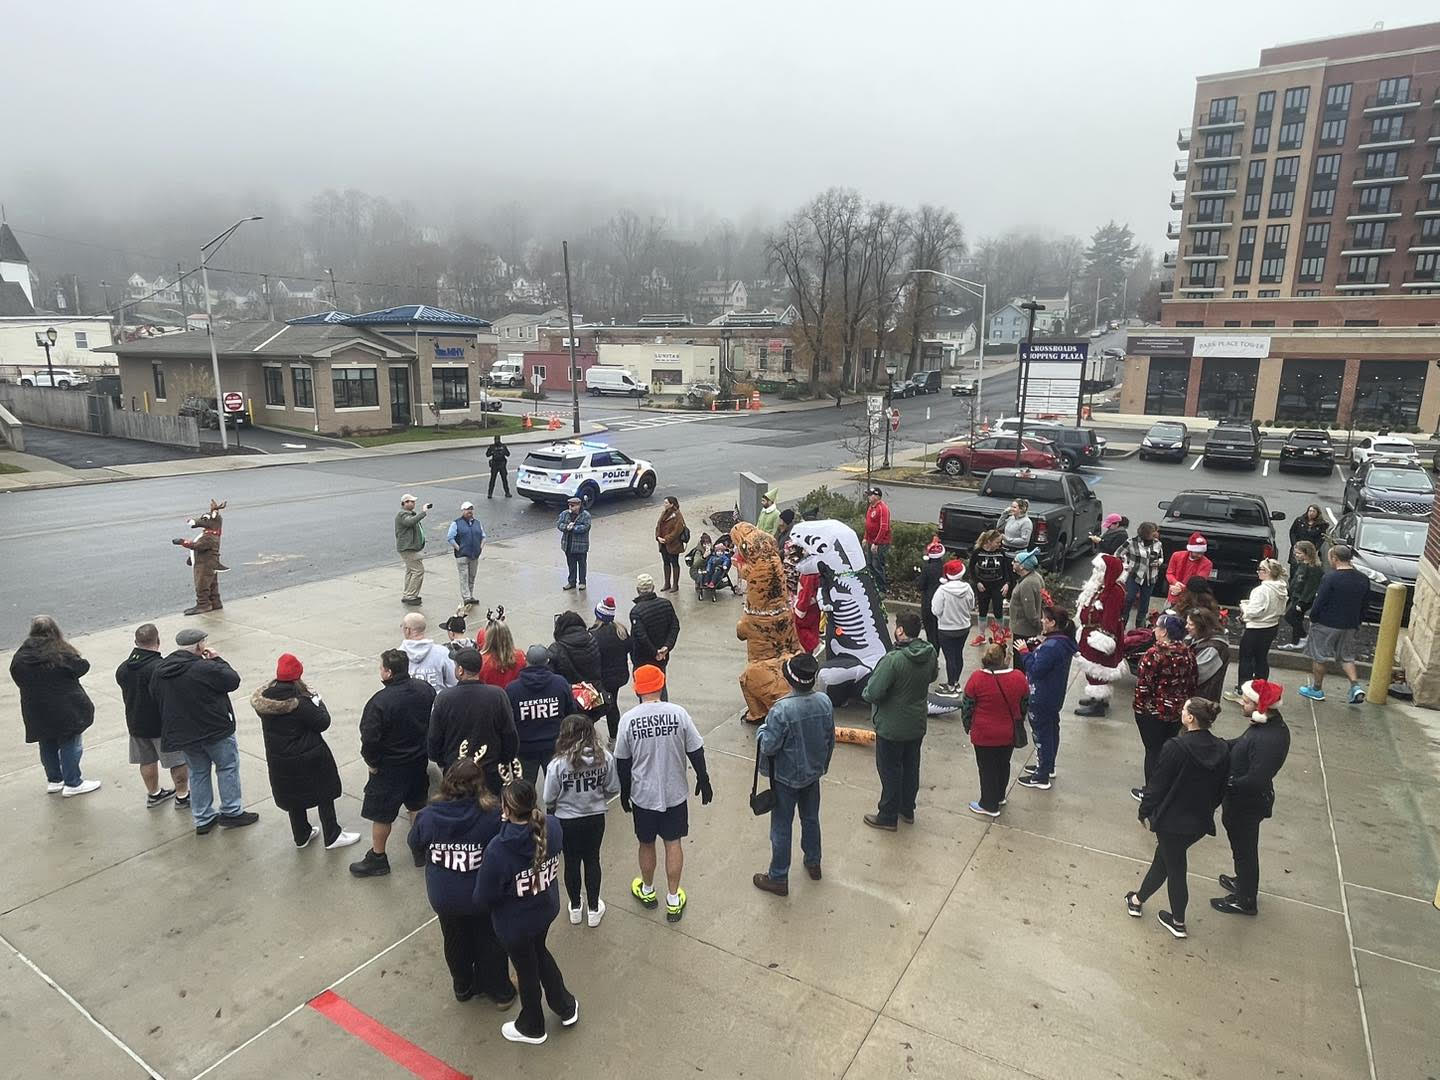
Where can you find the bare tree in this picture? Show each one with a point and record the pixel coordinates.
(805, 249)
(936, 240)
(890, 235)
(636, 243)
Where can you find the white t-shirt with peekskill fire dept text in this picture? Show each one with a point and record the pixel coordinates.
(656, 736)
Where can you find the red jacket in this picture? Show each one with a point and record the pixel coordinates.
(877, 523)
(807, 612)
(1181, 568)
(491, 675)
(992, 702)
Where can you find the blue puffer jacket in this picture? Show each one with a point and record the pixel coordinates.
(1048, 669)
(522, 900)
(467, 537)
(451, 837)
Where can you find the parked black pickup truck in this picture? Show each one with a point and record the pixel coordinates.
(1063, 508)
(1237, 527)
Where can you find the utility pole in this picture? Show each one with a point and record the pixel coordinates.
(334, 296)
(570, 322)
(184, 307)
(1096, 322)
(1030, 307)
(265, 294)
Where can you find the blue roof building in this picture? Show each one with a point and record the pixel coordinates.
(420, 317)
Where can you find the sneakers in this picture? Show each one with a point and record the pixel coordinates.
(1228, 884)
(1357, 697)
(676, 911)
(314, 832)
(1093, 708)
(1294, 646)
(573, 1018)
(82, 788)
(976, 808)
(414, 601)
(765, 883)
(160, 798)
(1137, 793)
(1033, 767)
(563, 588)
(374, 864)
(1233, 696)
(207, 828)
(908, 819)
(595, 914)
(511, 1032)
(1133, 906)
(238, 821)
(1035, 780)
(1302, 643)
(1314, 693)
(576, 913)
(581, 586)
(345, 839)
(647, 897)
(182, 802)
(873, 820)
(1177, 929)
(1233, 905)
(53, 787)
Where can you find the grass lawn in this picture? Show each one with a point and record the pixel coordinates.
(4, 469)
(502, 424)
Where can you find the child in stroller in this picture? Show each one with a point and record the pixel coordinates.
(709, 563)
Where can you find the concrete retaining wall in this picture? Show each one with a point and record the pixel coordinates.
(12, 432)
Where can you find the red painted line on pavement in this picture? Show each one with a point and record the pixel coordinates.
(399, 1050)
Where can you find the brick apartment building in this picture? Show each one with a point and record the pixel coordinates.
(1309, 220)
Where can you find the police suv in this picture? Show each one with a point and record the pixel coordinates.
(587, 470)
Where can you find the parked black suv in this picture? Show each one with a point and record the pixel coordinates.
(1386, 487)
(1233, 444)
(1307, 448)
(1074, 446)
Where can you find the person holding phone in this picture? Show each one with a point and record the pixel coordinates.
(410, 543)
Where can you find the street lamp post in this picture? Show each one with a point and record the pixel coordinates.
(885, 416)
(570, 323)
(974, 288)
(46, 340)
(1030, 307)
(205, 252)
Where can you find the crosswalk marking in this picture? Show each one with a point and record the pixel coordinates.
(641, 423)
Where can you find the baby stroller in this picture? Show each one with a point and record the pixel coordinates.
(696, 558)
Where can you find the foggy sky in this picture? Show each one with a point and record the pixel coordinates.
(1058, 115)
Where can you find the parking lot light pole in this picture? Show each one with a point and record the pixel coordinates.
(974, 288)
(46, 340)
(205, 252)
(885, 416)
(1030, 307)
(570, 323)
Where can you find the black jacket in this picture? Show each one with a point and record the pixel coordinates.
(1186, 786)
(451, 837)
(477, 713)
(53, 704)
(497, 455)
(522, 901)
(653, 625)
(142, 711)
(302, 769)
(574, 655)
(539, 699)
(194, 698)
(928, 580)
(1300, 529)
(394, 723)
(614, 655)
(1255, 758)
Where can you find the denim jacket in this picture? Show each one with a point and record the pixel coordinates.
(799, 732)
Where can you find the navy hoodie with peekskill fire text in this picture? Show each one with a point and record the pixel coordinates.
(451, 837)
(522, 900)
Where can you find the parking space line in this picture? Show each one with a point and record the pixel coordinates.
(379, 1037)
(1196, 463)
(1265, 471)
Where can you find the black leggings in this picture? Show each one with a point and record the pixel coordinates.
(580, 839)
(535, 969)
(329, 827)
(1255, 654)
(993, 763)
(1154, 733)
(1168, 868)
(474, 957)
(1295, 616)
(990, 600)
(612, 710)
(952, 646)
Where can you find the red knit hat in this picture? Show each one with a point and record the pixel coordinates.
(288, 668)
(1197, 543)
(1266, 696)
(954, 568)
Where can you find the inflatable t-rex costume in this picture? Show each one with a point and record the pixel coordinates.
(767, 627)
(856, 636)
(205, 558)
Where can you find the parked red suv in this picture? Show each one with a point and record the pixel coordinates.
(996, 452)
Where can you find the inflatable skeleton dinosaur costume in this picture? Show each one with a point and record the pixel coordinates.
(205, 559)
(768, 626)
(856, 636)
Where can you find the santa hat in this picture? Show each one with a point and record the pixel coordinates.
(1265, 695)
(1197, 543)
(934, 550)
(954, 569)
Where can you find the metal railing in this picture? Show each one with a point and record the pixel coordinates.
(1207, 251)
(1172, 231)
(1182, 139)
(1372, 138)
(1203, 283)
(1222, 183)
(1208, 119)
(1370, 243)
(1214, 217)
(1365, 277)
(1415, 273)
(1210, 153)
(1177, 199)
(1168, 260)
(1373, 172)
(1392, 206)
(1397, 100)
(1181, 168)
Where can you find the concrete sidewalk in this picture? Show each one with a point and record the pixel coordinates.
(958, 947)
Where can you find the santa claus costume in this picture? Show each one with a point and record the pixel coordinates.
(1101, 620)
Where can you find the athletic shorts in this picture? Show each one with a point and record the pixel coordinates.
(148, 752)
(669, 824)
(395, 786)
(1328, 643)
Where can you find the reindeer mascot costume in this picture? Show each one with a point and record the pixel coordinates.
(205, 559)
(1102, 628)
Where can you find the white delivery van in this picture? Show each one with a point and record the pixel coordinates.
(507, 372)
(613, 380)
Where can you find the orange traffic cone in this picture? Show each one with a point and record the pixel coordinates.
(526, 423)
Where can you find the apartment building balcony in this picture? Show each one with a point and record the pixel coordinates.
(1423, 245)
(1365, 176)
(1182, 139)
(1214, 219)
(1207, 253)
(1366, 279)
(1227, 121)
(1384, 246)
(1218, 155)
(1168, 260)
(1376, 104)
(1432, 168)
(1172, 231)
(1177, 199)
(1181, 169)
(1371, 212)
(1203, 285)
(1213, 187)
(1167, 288)
(1405, 137)
(1428, 278)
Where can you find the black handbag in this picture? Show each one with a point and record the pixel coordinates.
(1021, 739)
(761, 802)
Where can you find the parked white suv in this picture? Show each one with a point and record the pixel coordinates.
(554, 472)
(1394, 447)
(65, 378)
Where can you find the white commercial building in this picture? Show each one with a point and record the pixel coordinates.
(667, 368)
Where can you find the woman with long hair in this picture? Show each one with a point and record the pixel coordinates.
(449, 837)
(501, 661)
(669, 535)
(1305, 575)
(613, 640)
(1178, 805)
(53, 705)
(575, 657)
(1311, 526)
(1263, 610)
(992, 708)
(579, 780)
(302, 769)
(517, 883)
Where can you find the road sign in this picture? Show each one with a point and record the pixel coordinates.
(234, 402)
(894, 419)
(1051, 372)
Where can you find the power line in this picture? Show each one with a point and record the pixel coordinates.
(86, 243)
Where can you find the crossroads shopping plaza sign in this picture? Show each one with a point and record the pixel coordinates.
(1051, 373)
